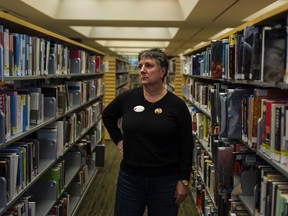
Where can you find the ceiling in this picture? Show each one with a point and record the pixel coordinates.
(124, 27)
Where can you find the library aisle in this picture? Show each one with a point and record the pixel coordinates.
(99, 200)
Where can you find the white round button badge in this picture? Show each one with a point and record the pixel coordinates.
(139, 108)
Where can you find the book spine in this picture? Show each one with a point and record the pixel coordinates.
(285, 78)
(277, 136)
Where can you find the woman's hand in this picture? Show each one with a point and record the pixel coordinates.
(120, 148)
(181, 193)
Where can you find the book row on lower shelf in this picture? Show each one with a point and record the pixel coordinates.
(25, 108)
(239, 130)
(236, 181)
(49, 169)
(254, 115)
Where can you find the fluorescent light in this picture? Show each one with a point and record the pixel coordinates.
(159, 33)
(135, 50)
(122, 43)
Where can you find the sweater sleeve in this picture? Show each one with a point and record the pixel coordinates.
(111, 114)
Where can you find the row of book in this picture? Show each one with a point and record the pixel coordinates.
(234, 111)
(203, 202)
(20, 160)
(24, 55)
(66, 131)
(217, 168)
(62, 207)
(271, 197)
(25, 107)
(273, 126)
(19, 164)
(201, 123)
(122, 66)
(26, 205)
(234, 173)
(265, 185)
(79, 157)
(254, 53)
(121, 79)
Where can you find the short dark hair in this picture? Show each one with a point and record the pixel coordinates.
(157, 54)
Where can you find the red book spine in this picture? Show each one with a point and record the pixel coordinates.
(97, 64)
(75, 54)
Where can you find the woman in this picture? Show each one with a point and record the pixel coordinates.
(155, 143)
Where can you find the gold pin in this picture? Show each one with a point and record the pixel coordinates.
(158, 111)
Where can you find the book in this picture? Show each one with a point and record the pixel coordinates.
(266, 181)
(75, 61)
(25, 108)
(279, 188)
(258, 95)
(54, 174)
(98, 64)
(5, 173)
(263, 170)
(20, 171)
(223, 115)
(234, 118)
(36, 106)
(59, 92)
(75, 92)
(281, 202)
(238, 55)
(273, 54)
(15, 116)
(276, 131)
(12, 159)
(34, 155)
(285, 78)
(268, 118)
(216, 59)
(255, 69)
(50, 134)
(1, 63)
(271, 190)
(224, 167)
(248, 36)
(284, 143)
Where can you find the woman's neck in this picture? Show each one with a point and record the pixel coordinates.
(154, 94)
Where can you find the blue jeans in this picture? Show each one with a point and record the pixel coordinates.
(135, 193)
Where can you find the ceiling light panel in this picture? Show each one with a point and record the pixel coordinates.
(126, 32)
(118, 43)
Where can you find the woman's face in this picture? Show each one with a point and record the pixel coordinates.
(150, 72)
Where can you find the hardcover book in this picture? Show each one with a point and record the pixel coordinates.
(216, 59)
(224, 167)
(258, 95)
(248, 36)
(273, 54)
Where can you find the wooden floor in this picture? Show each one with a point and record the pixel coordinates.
(99, 201)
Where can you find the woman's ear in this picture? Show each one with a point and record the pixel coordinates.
(164, 72)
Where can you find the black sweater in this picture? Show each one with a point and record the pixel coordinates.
(157, 137)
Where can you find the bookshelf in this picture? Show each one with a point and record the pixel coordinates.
(235, 153)
(134, 79)
(49, 142)
(116, 79)
(174, 79)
